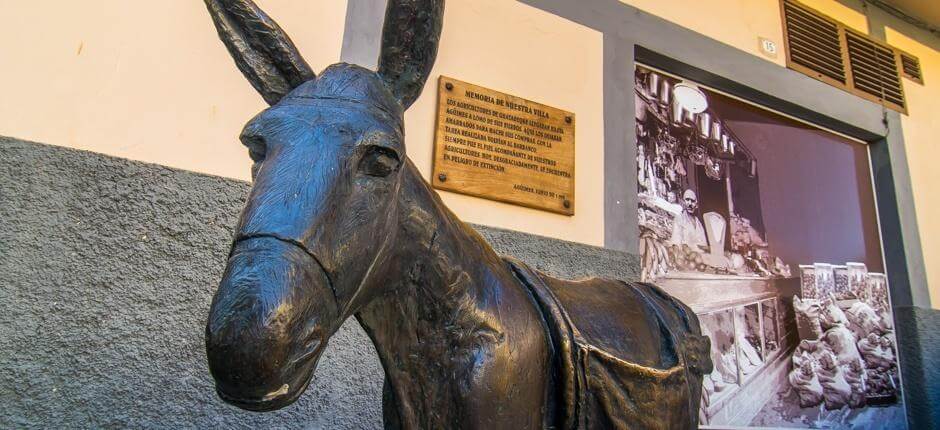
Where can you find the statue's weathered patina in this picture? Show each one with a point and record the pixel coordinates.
(340, 223)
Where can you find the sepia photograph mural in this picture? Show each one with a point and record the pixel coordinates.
(767, 228)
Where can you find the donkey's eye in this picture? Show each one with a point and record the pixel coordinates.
(379, 161)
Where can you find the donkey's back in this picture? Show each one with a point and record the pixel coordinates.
(627, 355)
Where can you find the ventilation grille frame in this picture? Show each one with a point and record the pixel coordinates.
(876, 71)
(862, 65)
(800, 26)
(911, 68)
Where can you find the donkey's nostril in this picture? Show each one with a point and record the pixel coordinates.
(311, 355)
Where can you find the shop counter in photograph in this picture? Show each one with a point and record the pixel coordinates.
(746, 318)
(705, 291)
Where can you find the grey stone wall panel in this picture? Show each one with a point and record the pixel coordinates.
(107, 269)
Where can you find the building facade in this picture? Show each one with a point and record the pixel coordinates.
(154, 85)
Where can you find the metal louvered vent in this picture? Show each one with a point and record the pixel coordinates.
(910, 65)
(827, 50)
(814, 42)
(875, 70)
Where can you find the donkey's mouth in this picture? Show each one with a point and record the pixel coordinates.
(282, 397)
(286, 395)
(278, 399)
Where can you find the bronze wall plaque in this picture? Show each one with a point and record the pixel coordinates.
(501, 147)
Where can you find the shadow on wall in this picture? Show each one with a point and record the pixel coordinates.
(108, 267)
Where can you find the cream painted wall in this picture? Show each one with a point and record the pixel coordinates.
(143, 80)
(922, 142)
(738, 23)
(514, 48)
(156, 85)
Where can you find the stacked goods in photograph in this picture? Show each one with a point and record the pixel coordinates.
(853, 324)
(732, 199)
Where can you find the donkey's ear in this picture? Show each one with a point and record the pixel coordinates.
(262, 51)
(409, 46)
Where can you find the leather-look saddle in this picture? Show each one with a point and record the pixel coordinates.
(626, 355)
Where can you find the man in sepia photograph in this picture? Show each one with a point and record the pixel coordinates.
(688, 229)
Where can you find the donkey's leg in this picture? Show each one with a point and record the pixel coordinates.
(390, 407)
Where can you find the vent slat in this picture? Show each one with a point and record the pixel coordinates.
(869, 87)
(808, 52)
(859, 60)
(836, 74)
(865, 72)
(830, 48)
(874, 77)
(874, 88)
(886, 55)
(861, 45)
(806, 27)
(868, 90)
(795, 9)
(812, 25)
(897, 101)
(829, 38)
(884, 74)
(861, 56)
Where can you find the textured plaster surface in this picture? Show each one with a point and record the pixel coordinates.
(107, 269)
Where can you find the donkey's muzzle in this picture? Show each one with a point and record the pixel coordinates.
(269, 323)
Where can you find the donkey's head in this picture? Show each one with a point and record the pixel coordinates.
(329, 158)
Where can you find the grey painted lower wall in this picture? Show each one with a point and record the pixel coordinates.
(107, 268)
(918, 332)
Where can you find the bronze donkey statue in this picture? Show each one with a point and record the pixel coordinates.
(340, 223)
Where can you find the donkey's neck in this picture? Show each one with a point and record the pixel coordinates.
(444, 315)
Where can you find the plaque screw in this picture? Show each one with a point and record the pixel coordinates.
(567, 204)
(568, 119)
(449, 86)
(442, 177)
